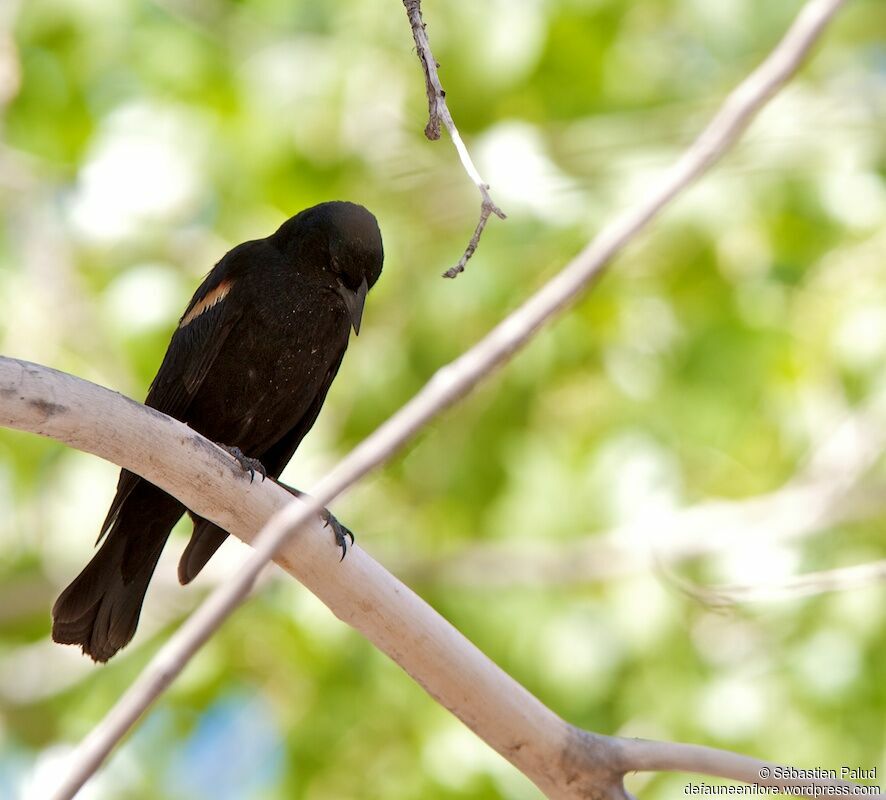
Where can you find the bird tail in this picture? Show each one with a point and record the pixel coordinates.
(205, 540)
(100, 609)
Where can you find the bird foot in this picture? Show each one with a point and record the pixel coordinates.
(342, 534)
(250, 465)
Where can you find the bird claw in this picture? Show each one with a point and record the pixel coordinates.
(341, 532)
(253, 465)
(250, 465)
(329, 521)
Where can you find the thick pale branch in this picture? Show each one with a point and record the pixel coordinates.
(438, 111)
(358, 590)
(563, 761)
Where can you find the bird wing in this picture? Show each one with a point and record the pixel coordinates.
(196, 343)
(194, 346)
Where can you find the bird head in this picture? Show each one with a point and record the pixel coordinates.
(340, 243)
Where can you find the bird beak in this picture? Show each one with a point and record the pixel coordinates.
(354, 302)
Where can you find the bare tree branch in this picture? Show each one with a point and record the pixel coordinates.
(452, 670)
(438, 111)
(826, 491)
(678, 757)
(649, 543)
(358, 590)
(839, 579)
(562, 760)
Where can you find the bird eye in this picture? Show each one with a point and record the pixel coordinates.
(337, 271)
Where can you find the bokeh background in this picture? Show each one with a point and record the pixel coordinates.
(141, 139)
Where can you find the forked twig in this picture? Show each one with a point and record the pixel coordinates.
(438, 111)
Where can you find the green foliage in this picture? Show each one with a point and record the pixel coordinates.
(149, 136)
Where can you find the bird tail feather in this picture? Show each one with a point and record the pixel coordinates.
(100, 609)
(205, 540)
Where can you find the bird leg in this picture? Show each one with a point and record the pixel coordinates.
(341, 532)
(250, 465)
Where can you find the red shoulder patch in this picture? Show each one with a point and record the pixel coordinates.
(213, 298)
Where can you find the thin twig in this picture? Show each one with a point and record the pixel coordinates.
(446, 387)
(651, 542)
(646, 756)
(827, 491)
(807, 584)
(438, 111)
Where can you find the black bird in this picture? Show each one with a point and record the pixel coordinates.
(249, 366)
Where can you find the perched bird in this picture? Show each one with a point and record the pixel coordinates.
(249, 367)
